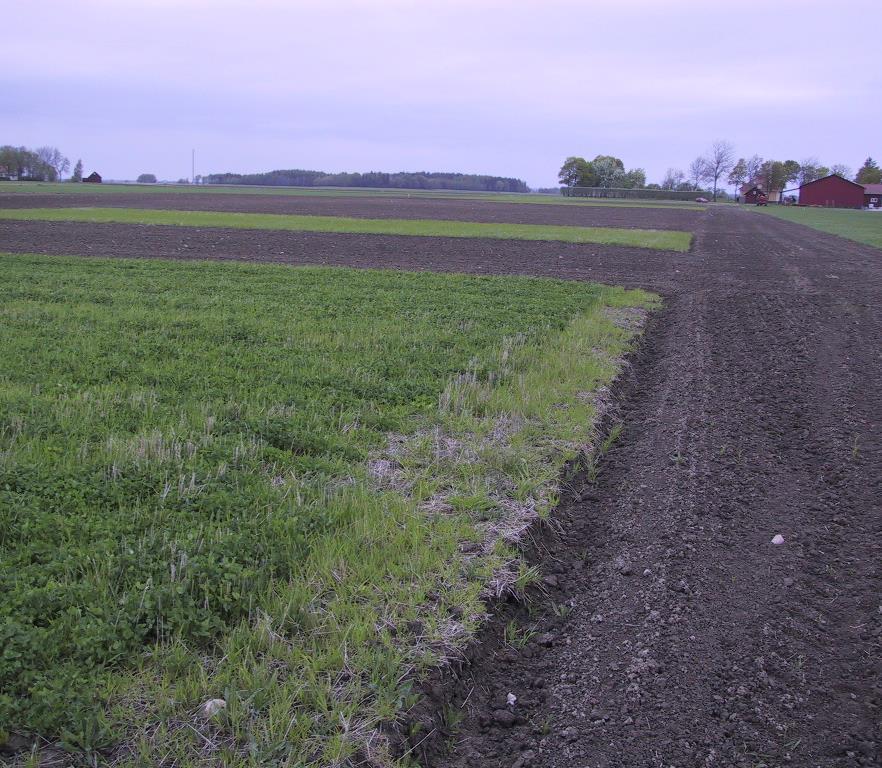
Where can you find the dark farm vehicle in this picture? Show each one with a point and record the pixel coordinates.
(762, 199)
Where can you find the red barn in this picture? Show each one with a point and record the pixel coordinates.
(832, 192)
(753, 194)
(873, 195)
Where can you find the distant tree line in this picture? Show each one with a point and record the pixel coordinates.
(769, 174)
(710, 172)
(41, 164)
(419, 180)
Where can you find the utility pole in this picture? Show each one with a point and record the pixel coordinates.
(193, 167)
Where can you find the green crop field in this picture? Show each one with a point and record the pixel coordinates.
(861, 226)
(13, 187)
(256, 483)
(640, 238)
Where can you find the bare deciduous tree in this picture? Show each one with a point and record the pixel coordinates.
(54, 160)
(697, 172)
(674, 177)
(738, 175)
(810, 170)
(718, 162)
(753, 167)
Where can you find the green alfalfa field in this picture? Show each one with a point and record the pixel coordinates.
(284, 489)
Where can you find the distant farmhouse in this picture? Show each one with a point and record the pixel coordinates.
(93, 178)
(835, 192)
(831, 191)
(753, 194)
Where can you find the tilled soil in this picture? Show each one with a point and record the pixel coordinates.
(379, 207)
(689, 639)
(674, 633)
(625, 266)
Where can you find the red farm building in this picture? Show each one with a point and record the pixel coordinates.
(832, 192)
(754, 195)
(93, 178)
(873, 195)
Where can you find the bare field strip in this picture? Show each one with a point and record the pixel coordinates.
(641, 238)
(381, 207)
(618, 265)
(67, 190)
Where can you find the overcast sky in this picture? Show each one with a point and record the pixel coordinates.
(509, 88)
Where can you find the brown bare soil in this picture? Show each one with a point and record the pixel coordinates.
(379, 207)
(669, 630)
(631, 266)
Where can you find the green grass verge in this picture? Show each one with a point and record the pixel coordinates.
(640, 238)
(189, 502)
(492, 197)
(860, 226)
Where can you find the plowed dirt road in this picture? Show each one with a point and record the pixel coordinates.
(754, 409)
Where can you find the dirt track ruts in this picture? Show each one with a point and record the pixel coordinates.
(675, 633)
(754, 409)
(380, 207)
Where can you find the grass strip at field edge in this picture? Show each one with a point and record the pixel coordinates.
(638, 238)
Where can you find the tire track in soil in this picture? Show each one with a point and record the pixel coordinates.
(754, 408)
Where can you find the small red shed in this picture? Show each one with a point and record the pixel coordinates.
(832, 192)
(93, 178)
(754, 195)
(873, 195)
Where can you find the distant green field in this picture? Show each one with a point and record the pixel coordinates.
(641, 238)
(493, 197)
(861, 226)
(252, 483)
